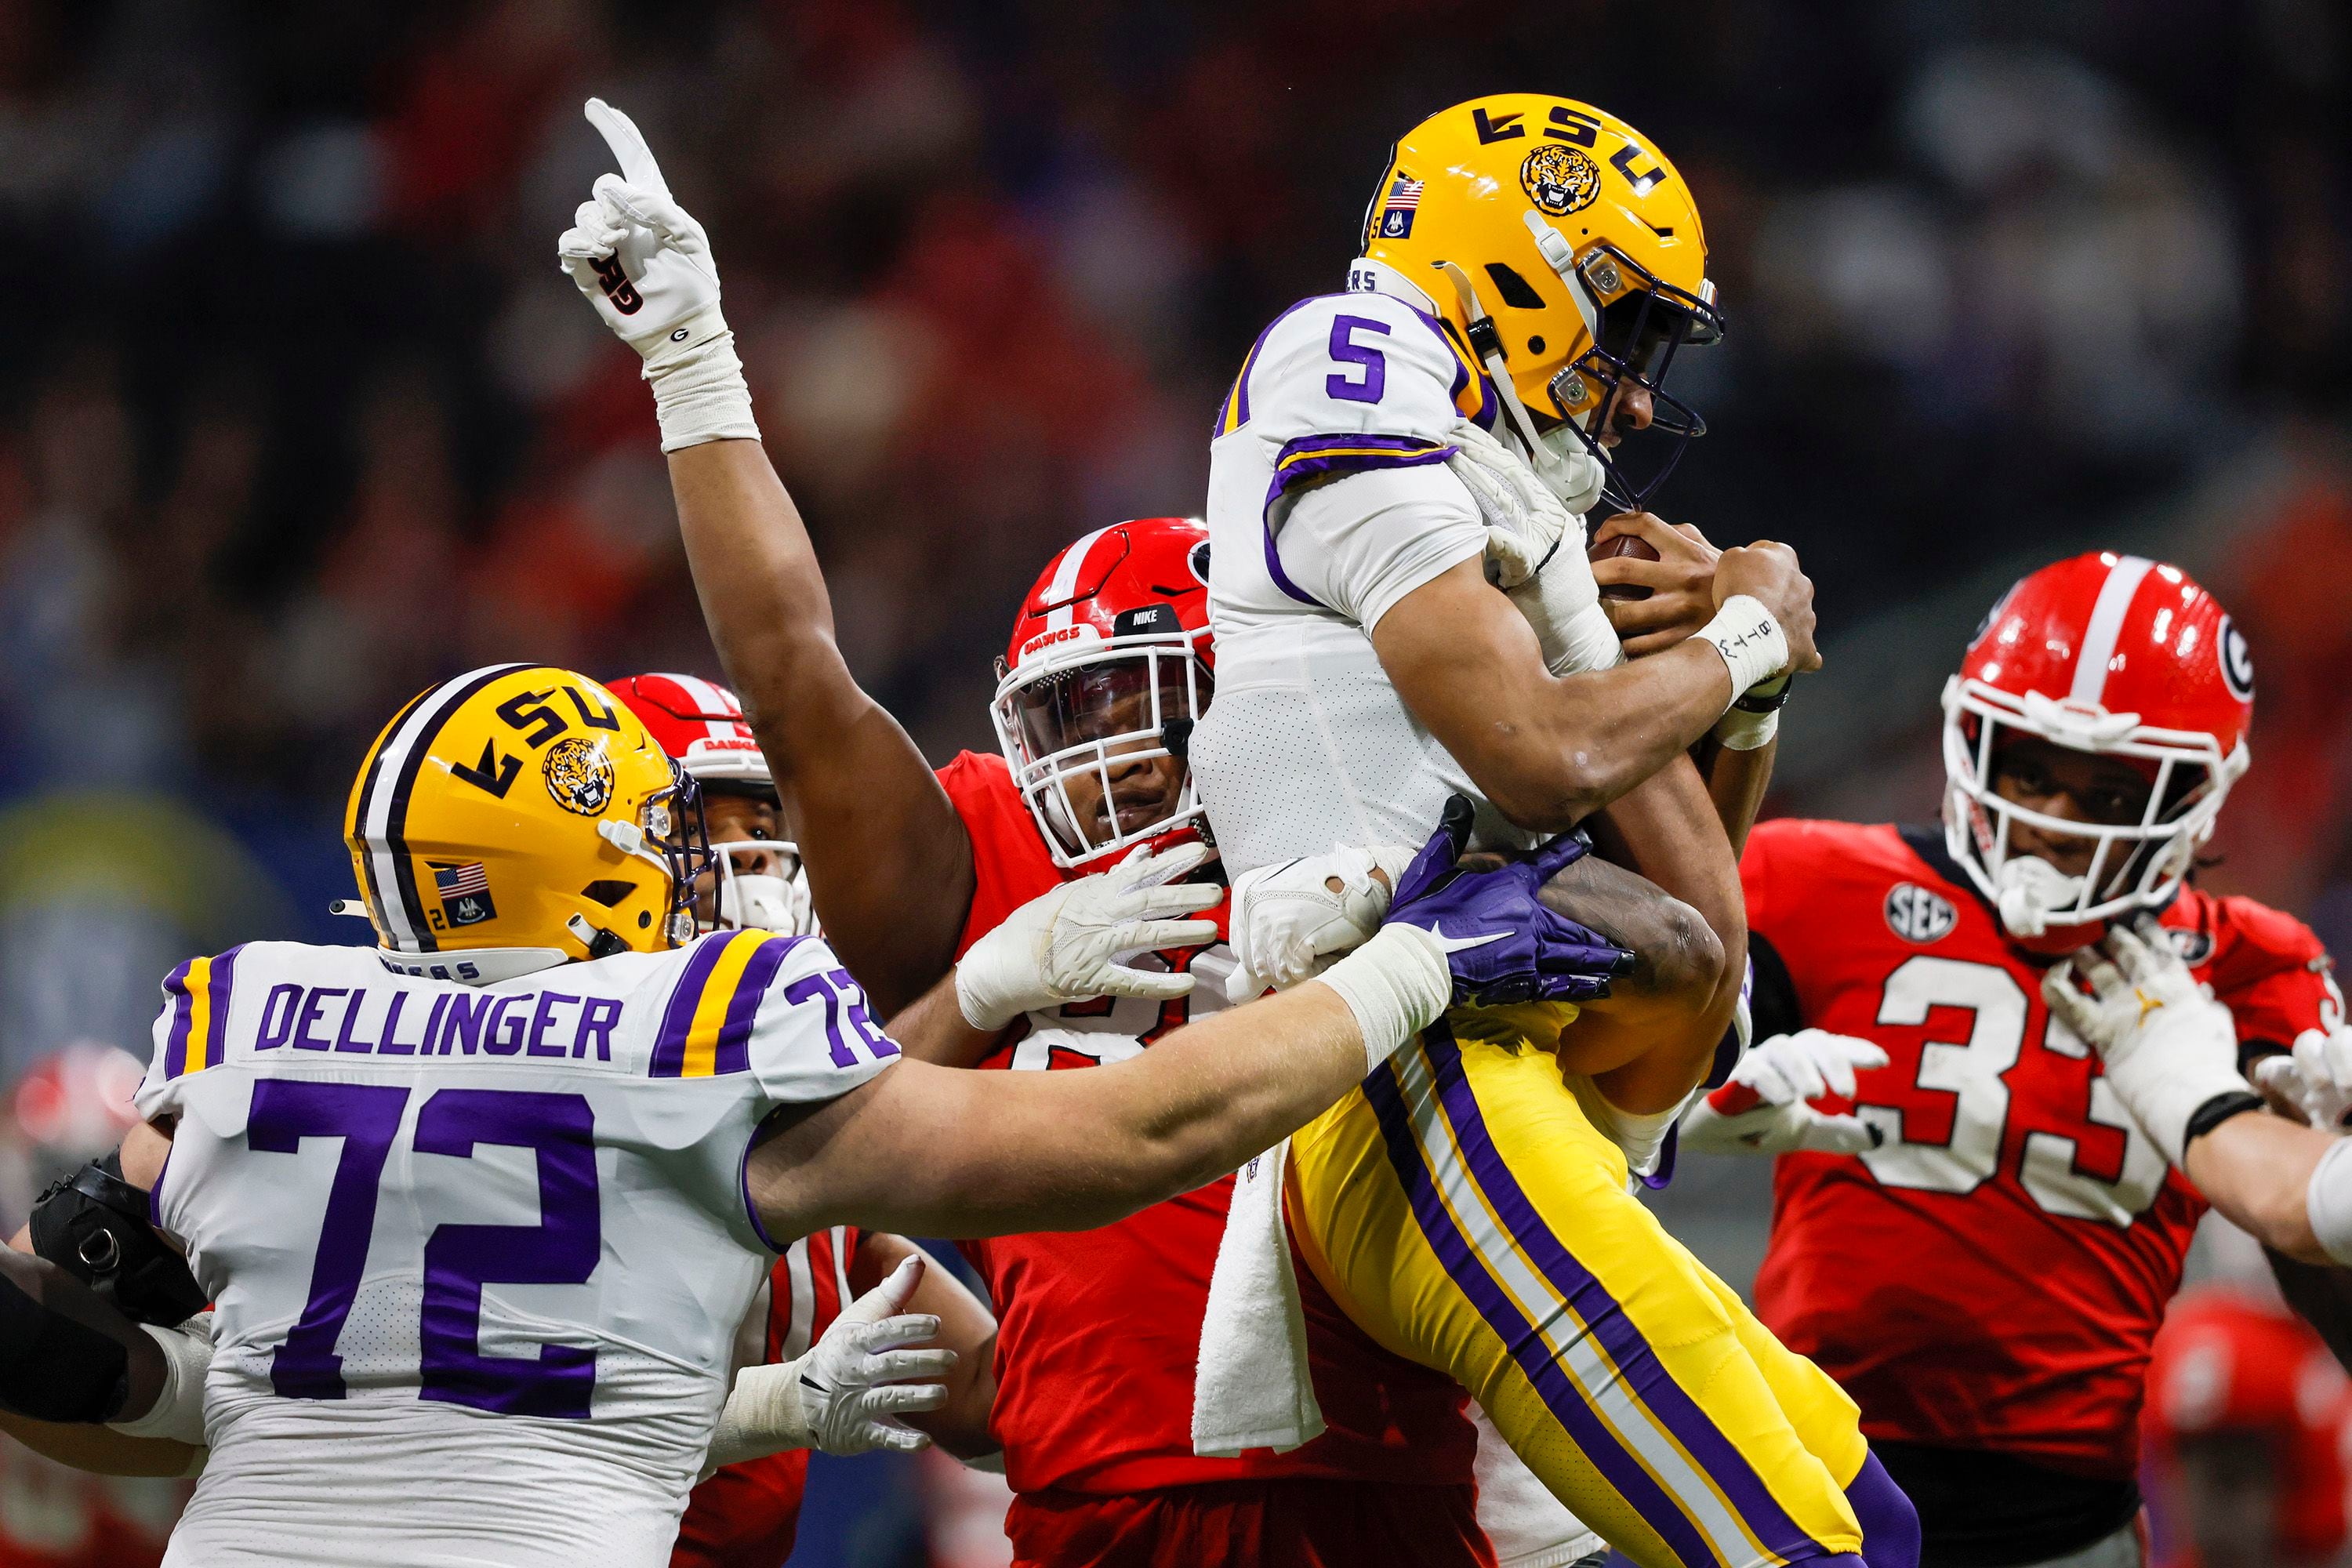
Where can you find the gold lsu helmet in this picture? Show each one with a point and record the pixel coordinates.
(523, 810)
(1569, 255)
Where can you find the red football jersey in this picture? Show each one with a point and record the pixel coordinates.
(1994, 1276)
(745, 1515)
(1100, 1330)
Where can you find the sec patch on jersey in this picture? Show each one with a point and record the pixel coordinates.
(1920, 914)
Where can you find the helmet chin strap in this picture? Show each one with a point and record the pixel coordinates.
(1575, 477)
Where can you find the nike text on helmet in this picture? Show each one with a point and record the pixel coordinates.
(2117, 656)
(1108, 669)
(1567, 251)
(520, 816)
(700, 723)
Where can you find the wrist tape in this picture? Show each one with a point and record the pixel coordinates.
(699, 393)
(1749, 640)
(1396, 984)
(1754, 717)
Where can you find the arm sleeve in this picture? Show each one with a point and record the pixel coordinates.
(1363, 542)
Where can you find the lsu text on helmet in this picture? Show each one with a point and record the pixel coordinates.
(1108, 669)
(760, 884)
(519, 817)
(1567, 251)
(2116, 656)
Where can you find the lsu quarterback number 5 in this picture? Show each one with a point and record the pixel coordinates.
(1972, 1074)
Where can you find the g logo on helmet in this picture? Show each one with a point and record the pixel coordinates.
(2237, 661)
(579, 776)
(1559, 179)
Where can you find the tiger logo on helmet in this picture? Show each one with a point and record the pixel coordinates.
(577, 776)
(468, 871)
(1560, 180)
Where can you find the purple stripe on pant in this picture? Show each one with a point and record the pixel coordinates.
(175, 1045)
(1584, 1428)
(1645, 1377)
(734, 1048)
(677, 1018)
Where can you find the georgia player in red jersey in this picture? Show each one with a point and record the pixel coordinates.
(745, 1514)
(1969, 1233)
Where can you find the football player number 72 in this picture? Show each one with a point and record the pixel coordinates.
(1966, 1080)
(459, 1259)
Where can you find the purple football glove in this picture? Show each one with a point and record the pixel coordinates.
(1505, 945)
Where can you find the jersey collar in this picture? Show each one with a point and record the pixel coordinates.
(1366, 276)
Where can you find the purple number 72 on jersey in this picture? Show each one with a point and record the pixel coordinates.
(459, 1259)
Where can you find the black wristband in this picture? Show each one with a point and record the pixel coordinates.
(1749, 701)
(2218, 1109)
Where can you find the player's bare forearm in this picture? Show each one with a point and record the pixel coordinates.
(1677, 972)
(101, 1450)
(1548, 751)
(1737, 781)
(966, 1327)
(932, 1029)
(2256, 1170)
(937, 1151)
(1666, 830)
(889, 864)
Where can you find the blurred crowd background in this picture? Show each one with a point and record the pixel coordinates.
(299, 415)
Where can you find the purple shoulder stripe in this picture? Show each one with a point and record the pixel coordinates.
(677, 1018)
(1488, 405)
(182, 1005)
(733, 1053)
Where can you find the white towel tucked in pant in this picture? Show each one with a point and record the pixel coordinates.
(1253, 1388)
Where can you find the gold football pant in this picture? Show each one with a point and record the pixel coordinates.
(1465, 1212)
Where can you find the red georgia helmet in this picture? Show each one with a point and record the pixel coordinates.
(2111, 654)
(700, 723)
(1110, 668)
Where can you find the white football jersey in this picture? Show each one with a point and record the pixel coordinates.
(1307, 744)
(478, 1253)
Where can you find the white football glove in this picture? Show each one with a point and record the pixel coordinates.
(1067, 945)
(1764, 1110)
(845, 1396)
(2316, 1079)
(2169, 1047)
(1286, 917)
(646, 265)
(178, 1411)
(1525, 523)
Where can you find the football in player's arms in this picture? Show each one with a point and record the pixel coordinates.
(1968, 1231)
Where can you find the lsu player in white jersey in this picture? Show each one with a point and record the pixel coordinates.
(1387, 457)
(479, 1209)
